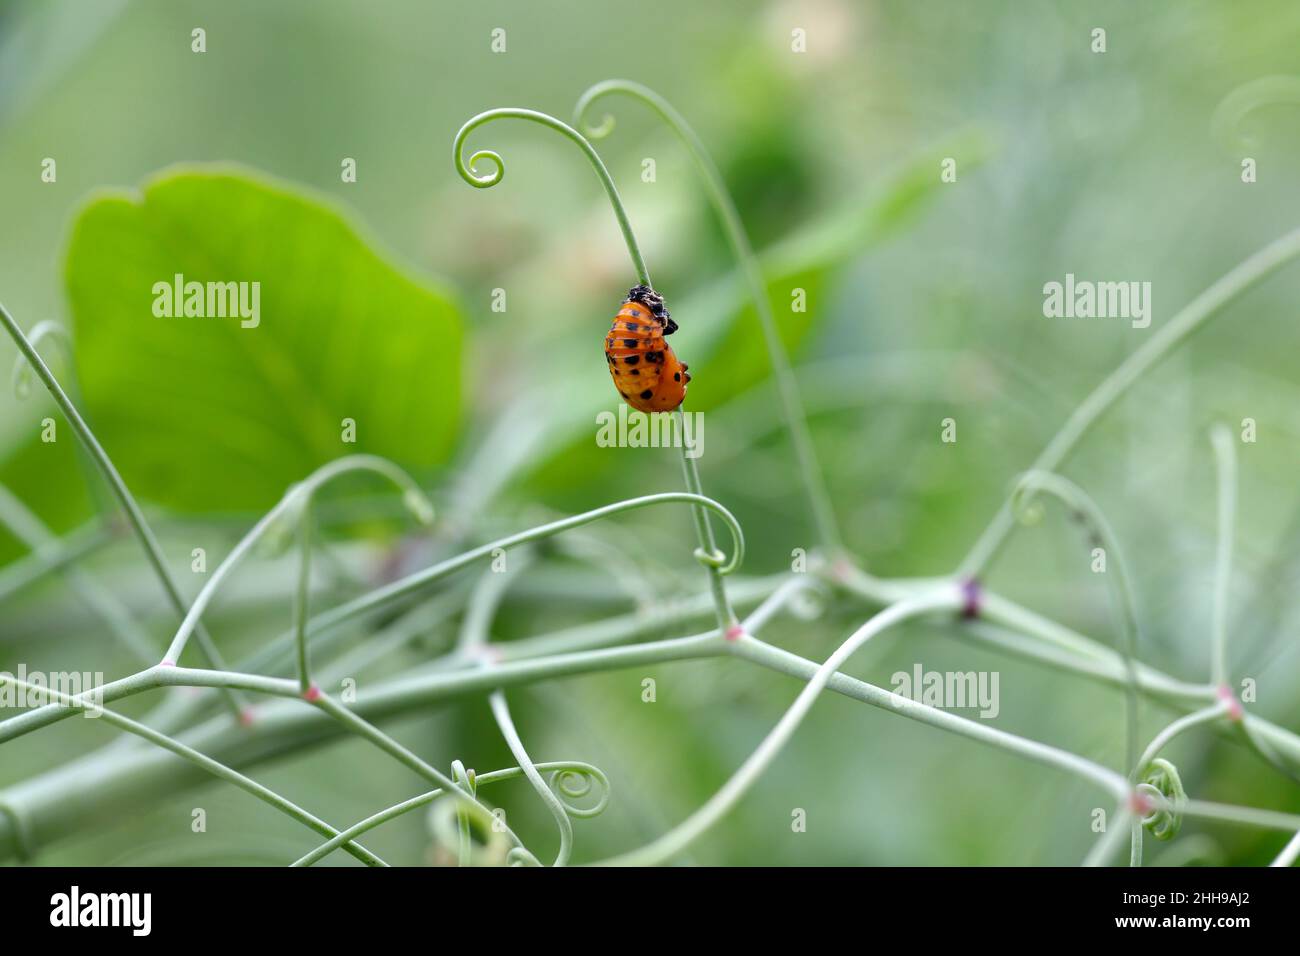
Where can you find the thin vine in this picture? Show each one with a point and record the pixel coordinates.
(796, 424)
(1149, 795)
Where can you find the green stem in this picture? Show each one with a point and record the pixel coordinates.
(424, 799)
(474, 639)
(707, 554)
(476, 625)
(1111, 671)
(1158, 743)
(1247, 816)
(214, 767)
(1054, 643)
(555, 663)
(726, 617)
(153, 550)
(1083, 507)
(466, 169)
(501, 711)
(130, 776)
(22, 387)
(368, 731)
(293, 502)
(676, 840)
(1109, 845)
(460, 776)
(1178, 727)
(55, 558)
(1188, 320)
(342, 715)
(791, 404)
(302, 598)
(31, 531)
(795, 666)
(386, 595)
(1289, 852)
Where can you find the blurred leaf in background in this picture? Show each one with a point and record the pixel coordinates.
(1105, 166)
(210, 413)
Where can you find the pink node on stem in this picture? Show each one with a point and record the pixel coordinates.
(1235, 710)
(246, 717)
(735, 632)
(1139, 803)
(312, 693)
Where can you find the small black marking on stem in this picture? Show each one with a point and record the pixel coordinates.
(972, 596)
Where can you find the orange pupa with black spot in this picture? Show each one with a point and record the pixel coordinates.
(645, 370)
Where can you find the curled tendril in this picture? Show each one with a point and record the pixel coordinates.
(711, 559)
(724, 206)
(477, 780)
(629, 88)
(486, 180)
(602, 129)
(286, 515)
(568, 780)
(299, 495)
(1028, 508)
(470, 840)
(464, 779)
(1025, 502)
(22, 376)
(723, 563)
(1163, 789)
(483, 604)
(607, 87)
(1246, 99)
(451, 826)
(521, 856)
(576, 782)
(466, 168)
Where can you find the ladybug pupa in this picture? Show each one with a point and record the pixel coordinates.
(645, 370)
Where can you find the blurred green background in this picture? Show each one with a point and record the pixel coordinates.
(925, 302)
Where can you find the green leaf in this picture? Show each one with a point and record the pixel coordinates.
(203, 413)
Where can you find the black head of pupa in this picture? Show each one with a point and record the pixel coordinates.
(653, 301)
